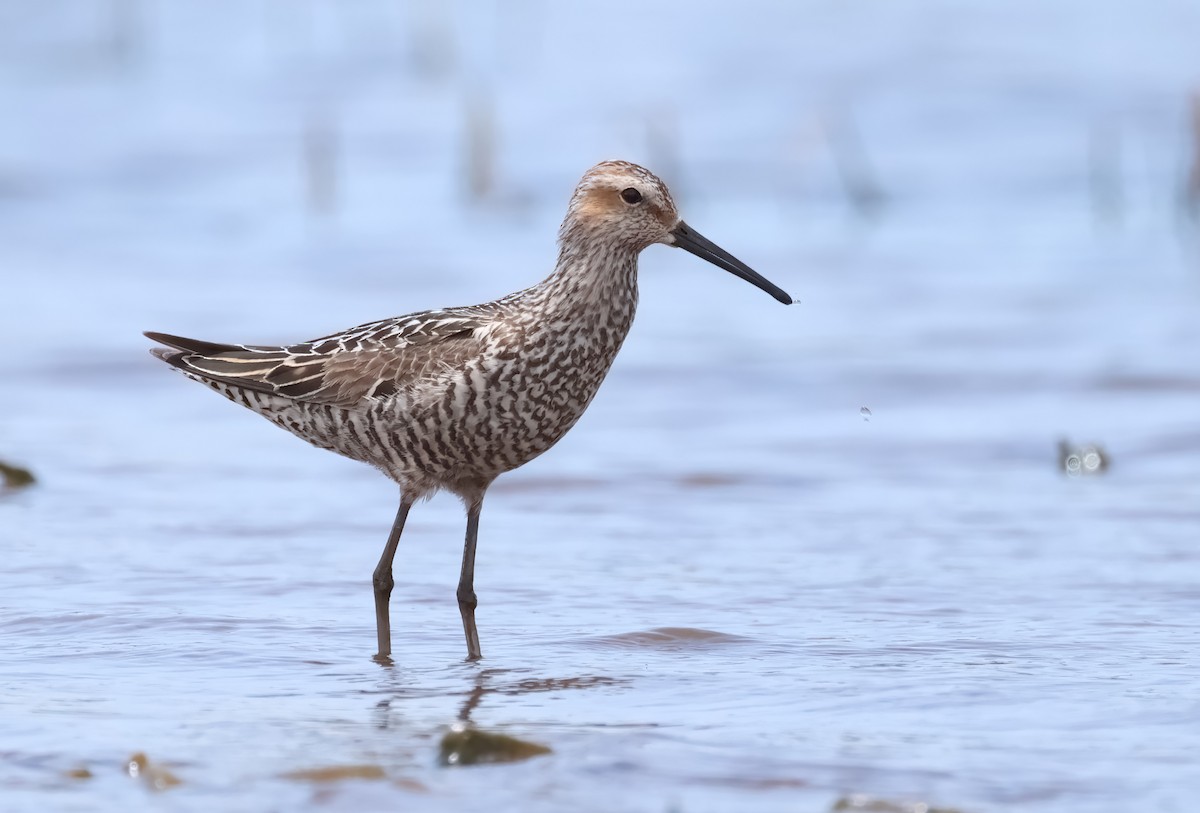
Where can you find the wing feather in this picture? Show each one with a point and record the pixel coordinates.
(343, 369)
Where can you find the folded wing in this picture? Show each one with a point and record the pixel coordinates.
(368, 362)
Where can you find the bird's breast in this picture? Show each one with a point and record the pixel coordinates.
(529, 387)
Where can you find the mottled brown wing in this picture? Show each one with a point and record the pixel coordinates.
(347, 377)
(371, 361)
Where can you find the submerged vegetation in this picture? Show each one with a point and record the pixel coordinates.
(14, 477)
(470, 746)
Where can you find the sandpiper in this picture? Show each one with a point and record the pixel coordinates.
(453, 398)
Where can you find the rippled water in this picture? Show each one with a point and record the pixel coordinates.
(789, 556)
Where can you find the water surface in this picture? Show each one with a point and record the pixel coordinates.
(728, 587)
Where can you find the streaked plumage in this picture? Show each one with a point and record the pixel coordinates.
(450, 399)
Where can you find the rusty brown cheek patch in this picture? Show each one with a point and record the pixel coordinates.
(600, 203)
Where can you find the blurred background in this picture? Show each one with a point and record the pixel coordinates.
(869, 518)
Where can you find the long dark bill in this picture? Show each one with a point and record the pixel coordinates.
(691, 240)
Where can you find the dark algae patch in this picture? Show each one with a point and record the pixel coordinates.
(470, 746)
(14, 477)
(337, 773)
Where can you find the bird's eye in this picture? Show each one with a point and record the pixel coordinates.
(631, 196)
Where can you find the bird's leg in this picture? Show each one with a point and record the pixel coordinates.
(466, 581)
(382, 580)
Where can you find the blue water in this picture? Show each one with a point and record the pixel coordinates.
(728, 588)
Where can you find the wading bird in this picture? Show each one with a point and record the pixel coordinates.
(453, 398)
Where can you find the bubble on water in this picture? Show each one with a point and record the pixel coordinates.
(1081, 460)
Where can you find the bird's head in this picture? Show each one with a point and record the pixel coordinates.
(629, 207)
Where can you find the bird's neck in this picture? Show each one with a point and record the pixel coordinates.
(593, 275)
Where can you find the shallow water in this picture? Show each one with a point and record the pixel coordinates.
(730, 587)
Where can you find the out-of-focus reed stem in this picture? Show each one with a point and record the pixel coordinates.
(479, 146)
(320, 164)
(1105, 184)
(858, 178)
